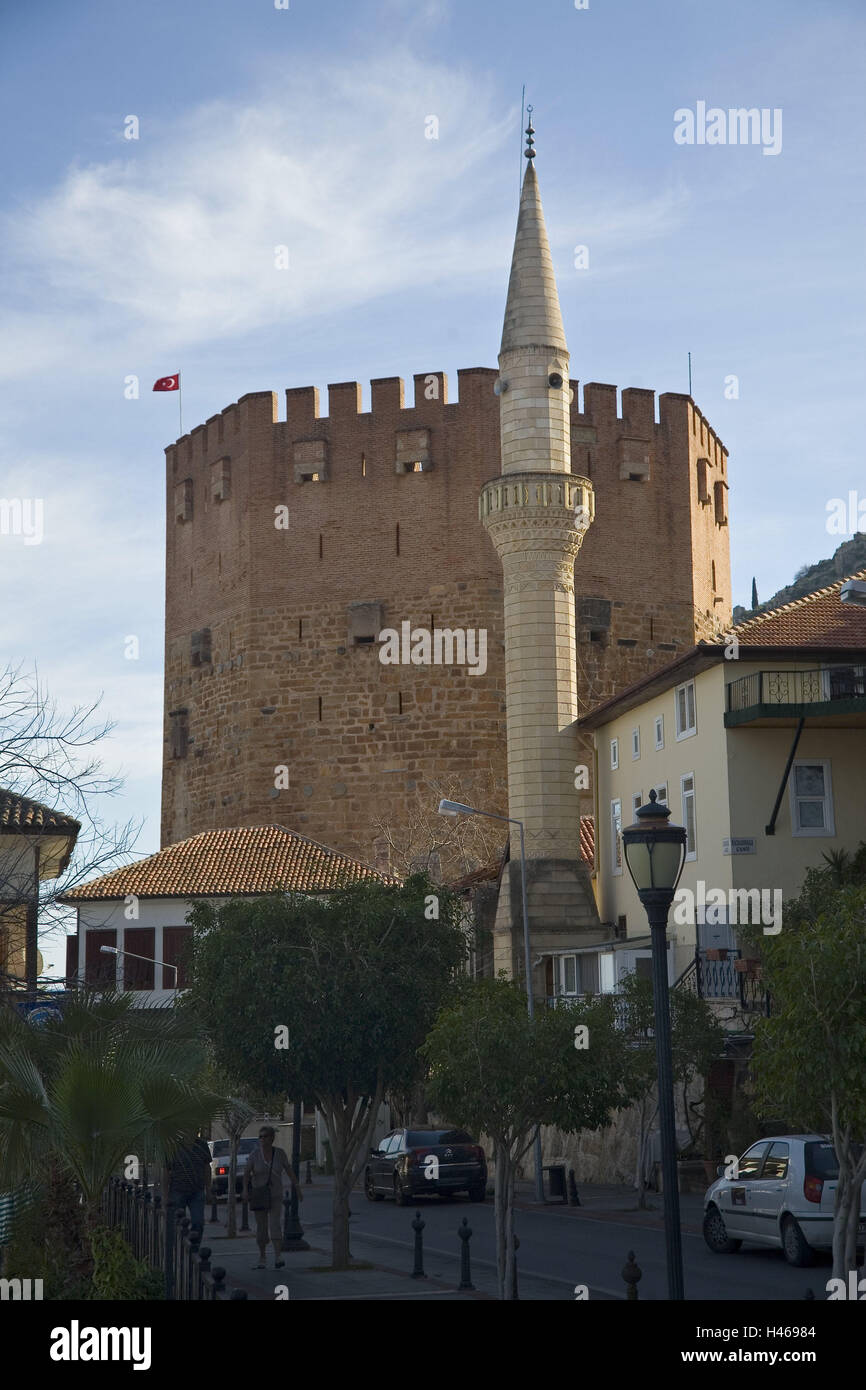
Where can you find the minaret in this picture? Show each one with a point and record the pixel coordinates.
(536, 514)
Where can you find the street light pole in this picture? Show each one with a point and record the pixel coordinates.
(654, 853)
(454, 808)
(119, 951)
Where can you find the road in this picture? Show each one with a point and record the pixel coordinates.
(570, 1246)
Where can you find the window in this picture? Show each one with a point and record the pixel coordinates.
(616, 836)
(635, 744)
(703, 481)
(175, 944)
(684, 701)
(636, 803)
(720, 503)
(568, 975)
(614, 754)
(776, 1162)
(811, 798)
(138, 973)
(750, 1163)
(687, 791)
(661, 792)
(660, 731)
(99, 969)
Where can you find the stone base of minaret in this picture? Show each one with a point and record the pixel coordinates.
(562, 914)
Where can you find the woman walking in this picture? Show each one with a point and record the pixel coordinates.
(263, 1188)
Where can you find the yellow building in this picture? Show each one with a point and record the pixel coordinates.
(757, 743)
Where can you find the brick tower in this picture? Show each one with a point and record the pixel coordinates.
(536, 514)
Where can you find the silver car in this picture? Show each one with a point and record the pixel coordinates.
(781, 1193)
(219, 1167)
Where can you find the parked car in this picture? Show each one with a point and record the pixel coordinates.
(412, 1163)
(219, 1168)
(783, 1195)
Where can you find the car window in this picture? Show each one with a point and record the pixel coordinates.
(821, 1161)
(419, 1138)
(396, 1143)
(220, 1148)
(750, 1163)
(776, 1162)
(246, 1146)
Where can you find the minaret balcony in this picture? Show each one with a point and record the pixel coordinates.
(524, 493)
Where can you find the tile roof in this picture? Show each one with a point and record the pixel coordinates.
(587, 839)
(20, 816)
(227, 863)
(818, 619)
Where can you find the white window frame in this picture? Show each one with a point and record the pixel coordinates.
(636, 802)
(690, 730)
(689, 796)
(828, 830)
(660, 730)
(563, 992)
(614, 815)
(635, 744)
(614, 754)
(662, 787)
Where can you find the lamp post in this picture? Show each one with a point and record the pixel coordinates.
(456, 808)
(119, 951)
(654, 854)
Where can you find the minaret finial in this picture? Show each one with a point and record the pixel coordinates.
(530, 132)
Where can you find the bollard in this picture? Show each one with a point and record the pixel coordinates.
(573, 1195)
(631, 1273)
(214, 1214)
(515, 1292)
(418, 1226)
(245, 1214)
(309, 1178)
(464, 1231)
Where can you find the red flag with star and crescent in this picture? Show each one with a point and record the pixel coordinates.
(168, 383)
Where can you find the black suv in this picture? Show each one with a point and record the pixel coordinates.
(412, 1163)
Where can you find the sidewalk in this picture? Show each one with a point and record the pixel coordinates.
(306, 1276)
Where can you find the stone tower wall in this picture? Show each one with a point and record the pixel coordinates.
(284, 682)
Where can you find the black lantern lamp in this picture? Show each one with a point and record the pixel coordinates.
(655, 853)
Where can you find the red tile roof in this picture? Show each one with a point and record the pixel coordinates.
(20, 816)
(227, 863)
(819, 619)
(587, 839)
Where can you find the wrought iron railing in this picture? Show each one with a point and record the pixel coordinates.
(796, 687)
(157, 1235)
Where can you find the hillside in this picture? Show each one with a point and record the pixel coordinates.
(850, 557)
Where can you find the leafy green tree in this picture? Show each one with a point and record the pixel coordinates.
(808, 1055)
(105, 1083)
(495, 1071)
(327, 998)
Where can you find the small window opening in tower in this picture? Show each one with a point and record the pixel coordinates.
(713, 566)
(363, 465)
(399, 702)
(364, 641)
(636, 477)
(320, 709)
(398, 537)
(310, 478)
(320, 546)
(598, 634)
(300, 629)
(415, 467)
(651, 628)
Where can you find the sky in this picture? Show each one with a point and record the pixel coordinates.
(380, 143)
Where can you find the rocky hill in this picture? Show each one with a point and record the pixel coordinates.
(850, 557)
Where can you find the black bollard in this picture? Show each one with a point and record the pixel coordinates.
(245, 1214)
(293, 1231)
(573, 1195)
(309, 1178)
(631, 1273)
(214, 1214)
(464, 1231)
(418, 1226)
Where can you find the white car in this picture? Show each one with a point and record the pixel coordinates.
(782, 1194)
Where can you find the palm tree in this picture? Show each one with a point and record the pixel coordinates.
(103, 1089)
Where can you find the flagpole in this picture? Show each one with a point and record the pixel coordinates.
(180, 403)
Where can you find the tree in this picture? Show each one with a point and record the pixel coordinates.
(494, 1071)
(808, 1054)
(102, 1090)
(49, 756)
(446, 847)
(754, 594)
(327, 998)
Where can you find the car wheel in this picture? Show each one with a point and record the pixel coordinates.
(369, 1190)
(400, 1194)
(478, 1193)
(716, 1233)
(797, 1249)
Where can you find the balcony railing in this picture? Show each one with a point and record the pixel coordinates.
(796, 688)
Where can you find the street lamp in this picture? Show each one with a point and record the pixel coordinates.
(118, 951)
(654, 854)
(456, 808)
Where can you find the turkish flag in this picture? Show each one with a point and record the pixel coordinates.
(167, 383)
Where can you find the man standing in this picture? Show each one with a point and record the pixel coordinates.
(189, 1178)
